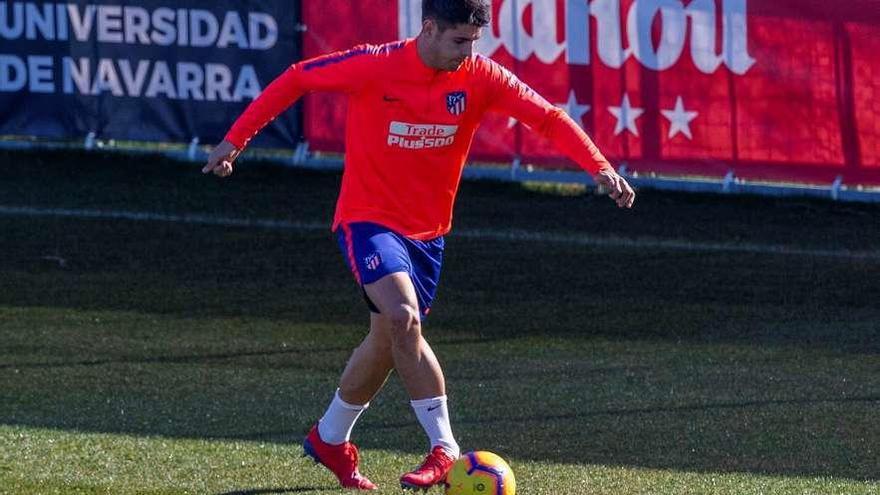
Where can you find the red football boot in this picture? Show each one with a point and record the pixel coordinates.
(431, 472)
(342, 460)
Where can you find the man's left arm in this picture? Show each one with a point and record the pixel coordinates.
(514, 98)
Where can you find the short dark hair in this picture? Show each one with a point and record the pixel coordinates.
(448, 13)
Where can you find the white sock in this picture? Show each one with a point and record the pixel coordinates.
(434, 417)
(336, 425)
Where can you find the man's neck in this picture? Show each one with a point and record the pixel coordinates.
(424, 53)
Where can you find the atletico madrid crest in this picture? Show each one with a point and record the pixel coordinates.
(372, 261)
(456, 102)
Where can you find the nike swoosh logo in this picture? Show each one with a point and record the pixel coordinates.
(432, 408)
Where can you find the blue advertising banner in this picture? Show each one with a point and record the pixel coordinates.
(143, 70)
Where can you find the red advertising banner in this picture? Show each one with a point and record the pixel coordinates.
(776, 90)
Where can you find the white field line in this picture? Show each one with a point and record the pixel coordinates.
(479, 234)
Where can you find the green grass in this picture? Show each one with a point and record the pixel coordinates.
(164, 358)
(112, 463)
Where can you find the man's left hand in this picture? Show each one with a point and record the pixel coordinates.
(618, 188)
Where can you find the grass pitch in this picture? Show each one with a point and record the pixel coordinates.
(161, 358)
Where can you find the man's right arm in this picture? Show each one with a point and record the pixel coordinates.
(341, 71)
(344, 71)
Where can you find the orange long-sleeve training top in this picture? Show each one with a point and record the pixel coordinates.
(409, 129)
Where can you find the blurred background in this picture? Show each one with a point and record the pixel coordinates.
(162, 331)
(729, 95)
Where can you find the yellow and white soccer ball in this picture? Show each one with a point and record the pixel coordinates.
(480, 473)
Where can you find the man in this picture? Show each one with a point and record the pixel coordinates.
(414, 106)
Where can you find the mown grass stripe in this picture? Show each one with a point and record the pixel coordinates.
(512, 235)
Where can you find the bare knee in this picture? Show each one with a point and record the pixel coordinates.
(406, 327)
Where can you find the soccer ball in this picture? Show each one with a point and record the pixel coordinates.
(480, 473)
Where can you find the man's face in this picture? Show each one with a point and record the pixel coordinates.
(448, 48)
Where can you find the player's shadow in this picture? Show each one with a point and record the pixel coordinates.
(271, 491)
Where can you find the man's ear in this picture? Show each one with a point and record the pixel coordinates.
(429, 27)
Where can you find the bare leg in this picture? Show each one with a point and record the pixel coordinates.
(369, 366)
(413, 358)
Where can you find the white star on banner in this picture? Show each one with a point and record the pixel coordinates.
(626, 116)
(574, 109)
(679, 119)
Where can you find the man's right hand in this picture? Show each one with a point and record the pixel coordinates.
(221, 159)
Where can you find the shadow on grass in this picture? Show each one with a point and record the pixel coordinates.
(645, 411)
(268, 491)
(537, 421)
(182, 359)
(673, 296)
(208, 358)
(794, 415)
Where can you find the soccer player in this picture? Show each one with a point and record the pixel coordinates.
(413, 108)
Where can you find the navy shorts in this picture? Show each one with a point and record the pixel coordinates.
(373, 251)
